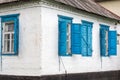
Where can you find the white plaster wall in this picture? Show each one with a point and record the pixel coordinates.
(28, 61)
(76, 63)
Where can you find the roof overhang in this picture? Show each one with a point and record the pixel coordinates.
(90, 6)
(86, 5)
(7, 1)
(102, 0)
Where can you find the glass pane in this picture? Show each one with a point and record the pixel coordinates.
(7, 36)
(68, 29)
(5, 28)
(9, 27)
(68, 47)
(7, 46)
(68, 38)
(106, 38)
(12, 36)
(12, 46)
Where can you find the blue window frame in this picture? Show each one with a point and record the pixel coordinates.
(86, 38)
(108, 41)
(64, 35)
(10, 34)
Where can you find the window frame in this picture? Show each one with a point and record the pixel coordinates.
(106, 29)
(67, 20)
(6, 19)
(3, 38)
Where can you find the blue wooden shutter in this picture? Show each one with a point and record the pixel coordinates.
(102, 42)
(112, 42)
(76, 43)
(0, 36)
(84, 48)
(16, 35)
(62, 38)
(0, 44)
(89, 40)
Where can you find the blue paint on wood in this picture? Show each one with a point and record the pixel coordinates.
(76, 39)
(62, 39)
(112, 43)
(90, 41)
(86, 38)
(102, 42)
(64, 17)
(63, 21)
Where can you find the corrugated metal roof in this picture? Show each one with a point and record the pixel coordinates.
(102, 0)
(90, 6)
(7, 1)
(86, 5)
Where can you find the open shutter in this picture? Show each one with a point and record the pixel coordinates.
(112, 49)
(16, 35)
(102, 42)
(76, 46)
(89, 41)
(62, 38)
(84, 47)
(0, 37)
(0, 45)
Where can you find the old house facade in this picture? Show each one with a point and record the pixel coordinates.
(58, 40)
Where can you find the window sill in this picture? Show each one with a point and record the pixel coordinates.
(10, 54)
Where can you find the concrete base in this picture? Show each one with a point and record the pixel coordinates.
(111, 75)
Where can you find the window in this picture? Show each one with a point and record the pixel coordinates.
(8, 37)
(82, 38)
(64, 35)
(74, 38)
(108, 41)
(86, 38)
(10, 34)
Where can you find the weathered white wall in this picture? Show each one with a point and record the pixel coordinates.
(76, 63)
(28, 61)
